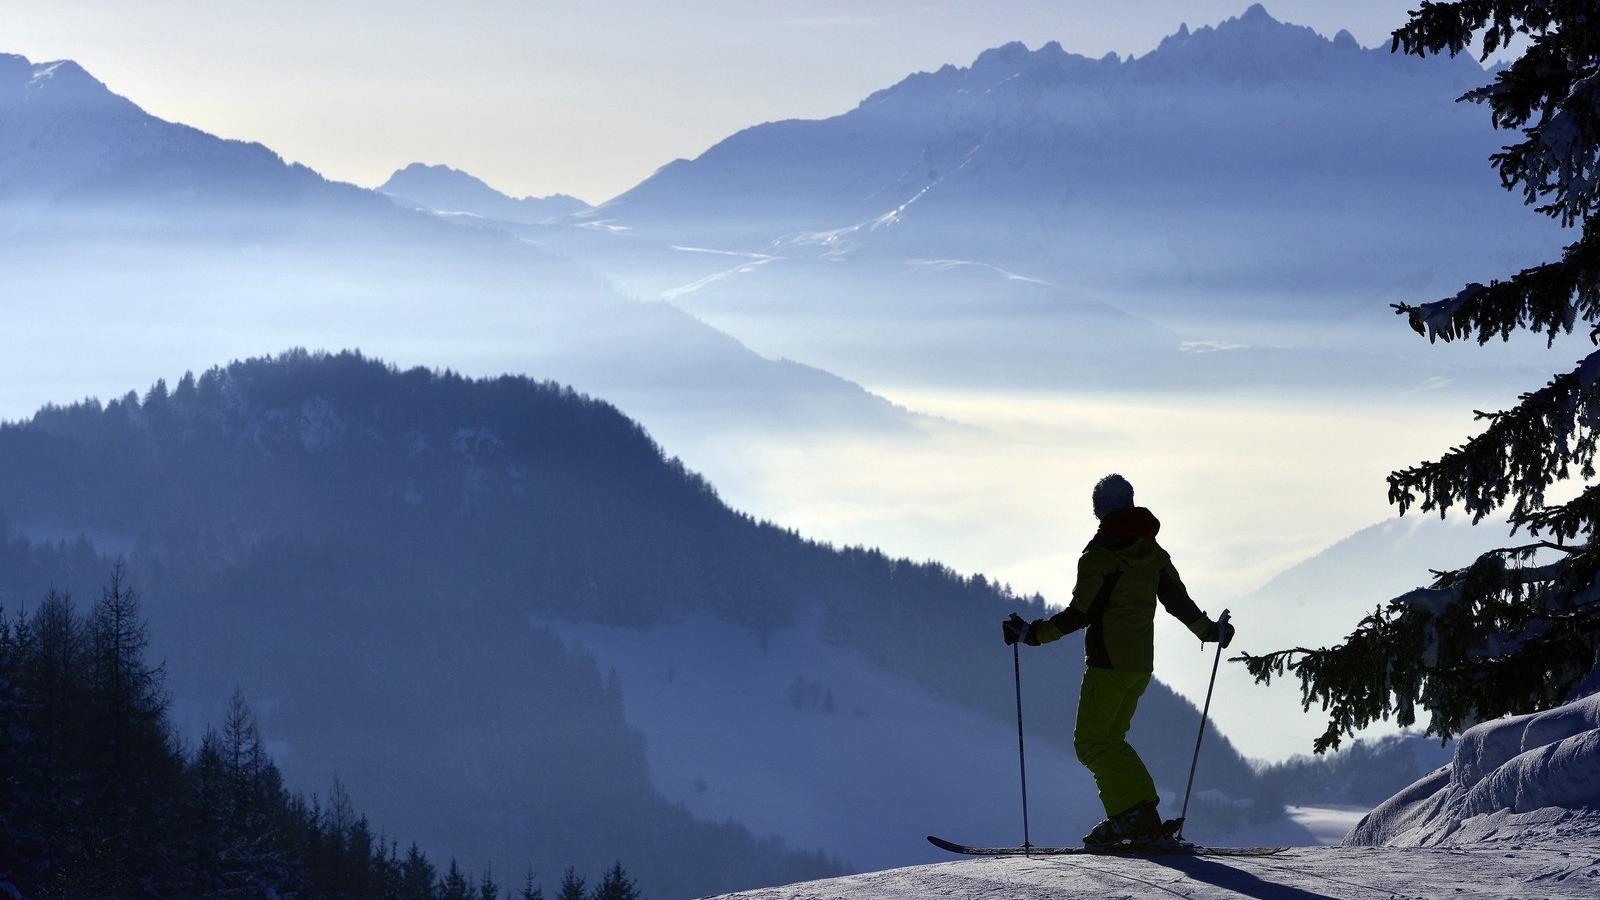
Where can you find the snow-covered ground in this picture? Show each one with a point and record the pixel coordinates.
(1511, 781)
(1328, 824)
(1357, 873)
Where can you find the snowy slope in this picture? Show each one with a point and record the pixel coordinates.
(1512, 780)
(1304, 874)
(452, 191)
(813, 742)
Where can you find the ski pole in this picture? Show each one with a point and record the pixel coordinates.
(1205, 713)
(1022, 758)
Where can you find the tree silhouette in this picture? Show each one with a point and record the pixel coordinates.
(416, 876)
(454, 886)
(530, 890)
(615, 885)
(98, 798)
(571, 886)
(1517, 630)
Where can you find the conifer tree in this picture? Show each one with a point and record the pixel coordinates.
(15, 792)
(1516, 630)
(50, 665)
(454, 886)
(571, 886)
(207, 811)
(416, 876)
(162, 822)
(616, 885)
(128, 740)
(530, 890)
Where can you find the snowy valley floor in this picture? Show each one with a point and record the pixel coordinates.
(1308, 873)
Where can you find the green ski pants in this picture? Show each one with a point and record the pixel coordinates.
(1105, 710)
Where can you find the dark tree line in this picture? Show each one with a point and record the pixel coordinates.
(1364, 773)
(100, 797)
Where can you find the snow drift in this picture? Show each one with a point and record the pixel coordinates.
(1517, 778)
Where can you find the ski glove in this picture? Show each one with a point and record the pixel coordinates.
(1013, 629)
(1221, 632)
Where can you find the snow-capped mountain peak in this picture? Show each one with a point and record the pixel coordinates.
(66, 138)
(55, 83)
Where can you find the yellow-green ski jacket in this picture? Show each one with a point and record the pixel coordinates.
(1122, 573)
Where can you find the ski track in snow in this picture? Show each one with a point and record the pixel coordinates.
(1317, 873)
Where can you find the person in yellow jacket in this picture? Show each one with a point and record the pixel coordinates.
(1122, 574)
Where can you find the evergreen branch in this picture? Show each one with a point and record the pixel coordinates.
(1500, 635)
(1522, 550)
(1520, 454)
(1548, 299)
(1435, 27)
(1567, 520)
(1579, 614)
(1478, 645)
(1549, 92)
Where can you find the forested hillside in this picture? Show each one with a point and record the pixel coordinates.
(364, 550)
(100, 797)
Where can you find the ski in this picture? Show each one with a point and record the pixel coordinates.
(1176, 849)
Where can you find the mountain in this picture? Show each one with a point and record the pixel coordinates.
(64, 136)
(512, 627)
(144, 243)
(1253, 185)
(445, 190)
(1023, 149)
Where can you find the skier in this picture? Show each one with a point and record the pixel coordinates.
(1121, 574)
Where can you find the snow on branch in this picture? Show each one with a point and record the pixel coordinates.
(1504, 634)
(1547, 299)
(1483, 641)
(1551, 85)
(1561, 156)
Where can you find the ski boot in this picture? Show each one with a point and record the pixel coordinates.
(1136, 825)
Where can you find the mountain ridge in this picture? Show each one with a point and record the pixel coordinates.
(66, 137)
(1250, 51)
(1254, 178)
(228, 238)
(452, 191)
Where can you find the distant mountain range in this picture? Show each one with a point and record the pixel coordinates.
(1038, 216)
(454, 192)
(1030, 156)
(140, 243)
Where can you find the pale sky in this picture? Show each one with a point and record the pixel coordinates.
(579, 96)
